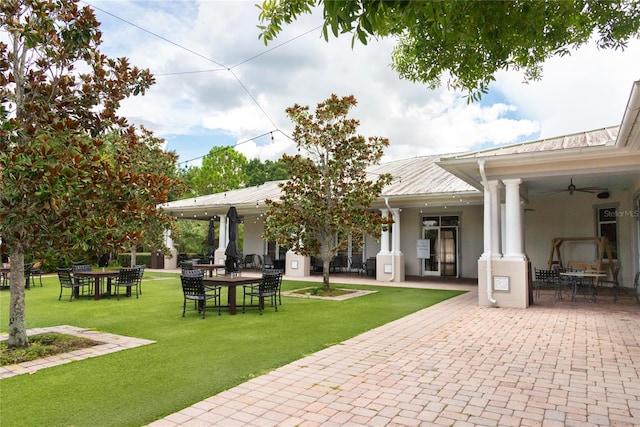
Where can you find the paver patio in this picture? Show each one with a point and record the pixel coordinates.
(456, 364)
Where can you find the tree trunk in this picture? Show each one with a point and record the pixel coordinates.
(325, 274)
(133, 255)
(17, 319)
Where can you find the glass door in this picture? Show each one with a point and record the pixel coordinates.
(431, 265)
(440, 235)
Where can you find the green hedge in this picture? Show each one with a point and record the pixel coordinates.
(124, 259)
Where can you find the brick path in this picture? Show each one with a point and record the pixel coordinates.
(454, 364)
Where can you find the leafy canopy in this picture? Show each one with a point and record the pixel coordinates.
(467, 42)
(329, 193)
(75, 176)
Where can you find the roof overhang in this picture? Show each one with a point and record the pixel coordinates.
(619, 157)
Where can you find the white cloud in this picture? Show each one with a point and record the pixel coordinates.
(582, 92)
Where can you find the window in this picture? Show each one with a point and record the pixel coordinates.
(608, 227)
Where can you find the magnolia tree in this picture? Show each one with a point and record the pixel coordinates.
(468, 42)
(75, 176)
(329, 194)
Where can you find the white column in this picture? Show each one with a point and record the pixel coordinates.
(494, 188)
(395, 241)
(168, 240)
(513, 226)
(222, 240)
(486, 253)
(384, 236)
(503, 223)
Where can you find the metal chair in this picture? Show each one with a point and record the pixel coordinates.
(268, 288)
(629, 290)
(67, 282)
(83, 281)
(547, 279)
(140, 268)
(193, 289)
(36, 271)
(614, 283)
(127, 278)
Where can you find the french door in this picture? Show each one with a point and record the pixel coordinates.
(441, 232)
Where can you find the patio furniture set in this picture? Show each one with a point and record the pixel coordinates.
(100, 283)
(200, 289)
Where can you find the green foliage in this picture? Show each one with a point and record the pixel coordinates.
(222, 170)
(258, 172)
(76, 177)
(329, 195)
(468, 42)
(191, 236)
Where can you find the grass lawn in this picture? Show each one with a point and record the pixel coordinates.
(192, 359)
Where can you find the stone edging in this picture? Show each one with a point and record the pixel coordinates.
(111, 343)
(354, 293)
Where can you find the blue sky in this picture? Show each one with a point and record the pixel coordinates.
(207, 95)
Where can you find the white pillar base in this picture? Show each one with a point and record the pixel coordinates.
(510, 283)
(386, 263)
(219, 256)
(171, 263)
(297, 265)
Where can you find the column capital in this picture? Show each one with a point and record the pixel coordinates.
(512, 182)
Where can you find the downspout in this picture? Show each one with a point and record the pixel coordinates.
(393, 258)
(487, 196)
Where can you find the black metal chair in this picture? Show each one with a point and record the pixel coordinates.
(614, 283)
(267, 262)
(193, 289)
(127, 278)
(547, 279)
(67, 282)
(83, 281)
(356, 265)
(248, 262)
(27, 274)
(629, 290)
(36, 271)
(140, 268)
(268, 287)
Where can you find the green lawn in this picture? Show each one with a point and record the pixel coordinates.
(192, 359)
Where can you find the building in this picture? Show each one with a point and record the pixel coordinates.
(490, 214)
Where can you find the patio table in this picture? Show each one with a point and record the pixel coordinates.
(232, 282)
(209, 267)
(594, 276)
(97, 275)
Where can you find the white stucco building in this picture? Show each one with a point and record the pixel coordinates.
(490, 214)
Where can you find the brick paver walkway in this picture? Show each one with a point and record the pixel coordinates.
(454, 364)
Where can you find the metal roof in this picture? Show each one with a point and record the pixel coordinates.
(593, 138)
(419, 176)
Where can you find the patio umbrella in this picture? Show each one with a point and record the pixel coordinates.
(232, 248)
(211, 240)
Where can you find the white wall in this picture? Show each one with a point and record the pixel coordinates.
(565, 215)
(253, 228)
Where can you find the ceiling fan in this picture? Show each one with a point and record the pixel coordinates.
(571, 188)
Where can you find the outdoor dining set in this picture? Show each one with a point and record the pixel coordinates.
(81, 279)
(204, 289)
(570, 282)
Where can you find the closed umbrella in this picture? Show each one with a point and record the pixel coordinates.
(211, 240)
(232, 248)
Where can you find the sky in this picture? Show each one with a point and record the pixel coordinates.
(218, 84)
